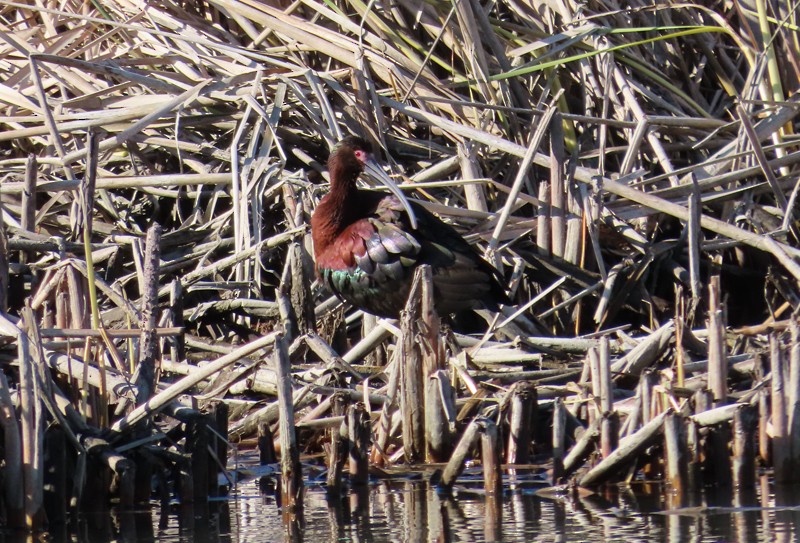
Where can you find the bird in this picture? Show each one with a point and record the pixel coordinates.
(368, 244)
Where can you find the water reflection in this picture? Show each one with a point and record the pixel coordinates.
(413, 511)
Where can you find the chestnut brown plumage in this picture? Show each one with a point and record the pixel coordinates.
(368, 244)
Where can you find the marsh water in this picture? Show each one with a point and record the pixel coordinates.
(410, 510)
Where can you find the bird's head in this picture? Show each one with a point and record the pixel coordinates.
(353, 156)
(348, 159)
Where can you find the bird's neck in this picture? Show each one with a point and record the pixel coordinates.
(334, 213)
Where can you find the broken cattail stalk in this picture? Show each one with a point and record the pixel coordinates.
(583, 448)
(86, 195)
(433, 356)
(412, 404)
(359, 432)
(150, 466)
(646, 385)
(523, 406)
(711, 417)
(284, 301)
(368, 343)
(321, 423)
(646, 352)
(291, 471)
(32, 431)
(763, 423)
(148, 344)
(438, 396)
(677, 455)
(28, 204)
(71, 366)
(456, 464)
(557, 187)
(490, 449)
(467, 153)
(339, 444)
(543, 213)
(634, 420)
(695, 465)
(717, 362)
(745, 421)
(702, 406)
(794, 397)
(269, 413)
(300, 291)
(377, 357)
(559, 439)
(781, 452)
(609, 429)
(595, 411)
(385, 420)
(328, 355)
(169, 394)
(439, 416)
(626, 452)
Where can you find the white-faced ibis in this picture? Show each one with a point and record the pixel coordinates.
(368, 244)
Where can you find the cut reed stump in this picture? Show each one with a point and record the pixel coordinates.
(781, 443)
(439, 416)
(745, 422)
(412, 399)
(609, 428)
(794, 397)
(717, 355)
(291, 471)
(521, 431)
(28, 205)
(32, 421)
(490, 454)
(677, 454)
(144, 377)
(359, 432)
(559, 440)
(339, 444)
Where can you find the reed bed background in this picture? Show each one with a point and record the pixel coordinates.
(632, 171)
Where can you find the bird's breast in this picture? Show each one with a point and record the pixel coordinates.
(341, 251)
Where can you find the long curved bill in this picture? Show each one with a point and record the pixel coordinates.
(372, 169)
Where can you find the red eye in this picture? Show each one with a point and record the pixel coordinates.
(362, 155)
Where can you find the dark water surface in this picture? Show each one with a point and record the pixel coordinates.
(410, 510)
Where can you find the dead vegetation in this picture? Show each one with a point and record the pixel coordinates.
(609, 161)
